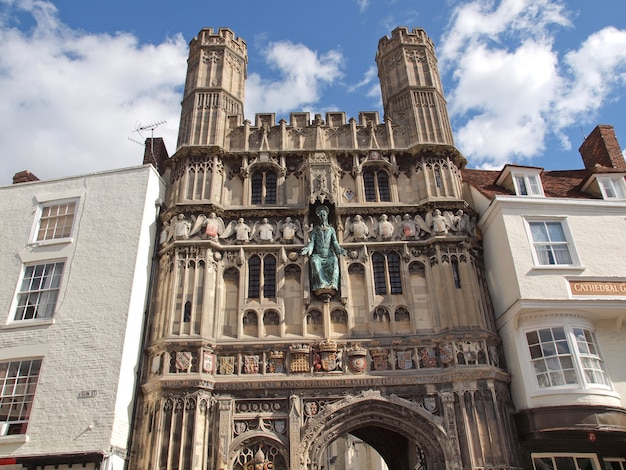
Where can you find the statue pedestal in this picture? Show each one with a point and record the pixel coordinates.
(325, 293)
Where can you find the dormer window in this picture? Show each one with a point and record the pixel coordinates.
(612, 186)
(527, 185)
(522, 181)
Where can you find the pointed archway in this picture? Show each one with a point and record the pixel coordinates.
(403, 433)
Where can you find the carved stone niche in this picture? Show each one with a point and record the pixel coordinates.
(321, 179)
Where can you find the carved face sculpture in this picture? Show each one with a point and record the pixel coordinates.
(322, 213)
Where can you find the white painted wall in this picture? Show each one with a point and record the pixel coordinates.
(94, 340)
(520, 289)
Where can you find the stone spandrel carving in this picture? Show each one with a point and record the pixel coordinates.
(323, 251)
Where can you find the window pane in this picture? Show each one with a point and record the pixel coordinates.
(269, 277)
(546, 335)
(532, 337)
(393, 264)
(254, 277)
(56, 221)
(370, 188)
(539, 232)
(543, 463)
(555, 231)
(270, 188)
(257, 188)
(383, 186)
(565, 463)
(533, 183)
(521, 186)
(39, 291)
(378, 265)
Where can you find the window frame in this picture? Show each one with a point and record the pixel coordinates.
(44, 204)
(593, 458)
(617, 186)
(531, 181)
(263, 188)
(39, 292)
(373, 190)
(574, 353)
(29, 390)
(567, 242)
(387, 274)
(262, 277)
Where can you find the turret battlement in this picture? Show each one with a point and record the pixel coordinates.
(402, 35)
(224, 36)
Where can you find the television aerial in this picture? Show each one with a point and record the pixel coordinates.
(140, 128)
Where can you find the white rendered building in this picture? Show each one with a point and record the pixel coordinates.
(556, 268)
(76, 256)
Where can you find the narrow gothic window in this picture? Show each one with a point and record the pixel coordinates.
(265, 283)
(264, 187)
(393, 266)
(269, 277)
(455, 274)
(438, 180)
(376, 185)
(187, 312)
(387, 277)
(254, 277)
(380, 282)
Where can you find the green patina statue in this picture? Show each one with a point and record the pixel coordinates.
(323, 251)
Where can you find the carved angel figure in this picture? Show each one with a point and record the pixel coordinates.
(357, 229)
(181, 228)
(421, 226)
(289, 231)
(166, 233)
(263, 231)
(213, 225)
(240, 229)
(462, 222)
(439, 222)
(385, 228)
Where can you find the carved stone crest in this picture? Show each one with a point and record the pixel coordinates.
(227, 365)
(311, 408)
(357, 359)
(208, 362)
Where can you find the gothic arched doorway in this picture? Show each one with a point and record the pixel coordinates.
(405, 435)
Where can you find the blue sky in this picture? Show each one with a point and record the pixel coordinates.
(524, 79)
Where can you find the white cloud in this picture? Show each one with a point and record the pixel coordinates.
(69, 100)
(362, 5)
(302, 75)
(370, 75)
(510, 81)
(595, 69)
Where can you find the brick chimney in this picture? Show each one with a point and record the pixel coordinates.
(602, 148)
(155, 153)
(24, 177)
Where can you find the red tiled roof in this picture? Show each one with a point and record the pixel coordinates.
(558, 183)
